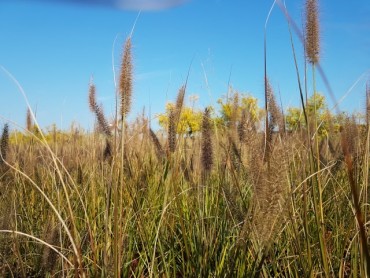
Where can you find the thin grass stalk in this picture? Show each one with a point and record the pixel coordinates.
(312, 51)
(76, 189)
(73, 233)
(125, 89)
(116, 220)
(356, 203)
(367, 104)
(267, 128)
(66, 229)
(116, 98)
(41, 242)
(16, 247)
(366, 152)
(267, 139)
(318, 201)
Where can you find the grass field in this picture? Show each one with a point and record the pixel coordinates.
(239, 191)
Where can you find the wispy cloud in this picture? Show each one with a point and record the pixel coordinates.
(148, 4)
(145, 5)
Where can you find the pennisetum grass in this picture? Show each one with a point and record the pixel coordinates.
(171, 134)
(312, 42)
(180, 102)
(158, 147)
(348, 147)
(29, 122)
(4, 143)
(312, 48)
(221, 204)
(125, 88)
(125, 80)
(103, 126)
(207, 148)
(49, 256)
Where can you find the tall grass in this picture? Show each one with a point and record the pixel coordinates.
(246, 196)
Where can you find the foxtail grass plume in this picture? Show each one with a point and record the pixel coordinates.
(347, 142)
(125, 79)
(270, 119)
(107, 154)
(4, 143)
(180, 99)
(179, 104)
(157, 144)
(92, 97)
(312, 40)
(103, 125)
(172, 130)
(49, 256)
(275, 115)
(274, 118)
(207, 148)
(349, 134)
(29, 122)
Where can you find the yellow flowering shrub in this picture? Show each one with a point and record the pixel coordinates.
(190, 119)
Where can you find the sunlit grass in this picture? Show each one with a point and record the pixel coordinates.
(231, 191)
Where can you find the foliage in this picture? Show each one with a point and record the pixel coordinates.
(190, 120)
(316, 108)
(232, 107)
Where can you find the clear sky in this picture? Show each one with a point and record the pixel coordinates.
(54, 48)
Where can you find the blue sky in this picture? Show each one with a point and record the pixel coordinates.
(53, 49)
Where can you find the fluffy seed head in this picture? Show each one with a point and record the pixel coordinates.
(49, 256)
(125, 80)
(275, 115)
(312, 42)
(180, 99)
(269, 118)
(29, 123)
(103, 125)
(4, 143)
(157, 144)
(92, 97)
(207, 149)
(349, 134)
(107, 154)
(172, 130)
